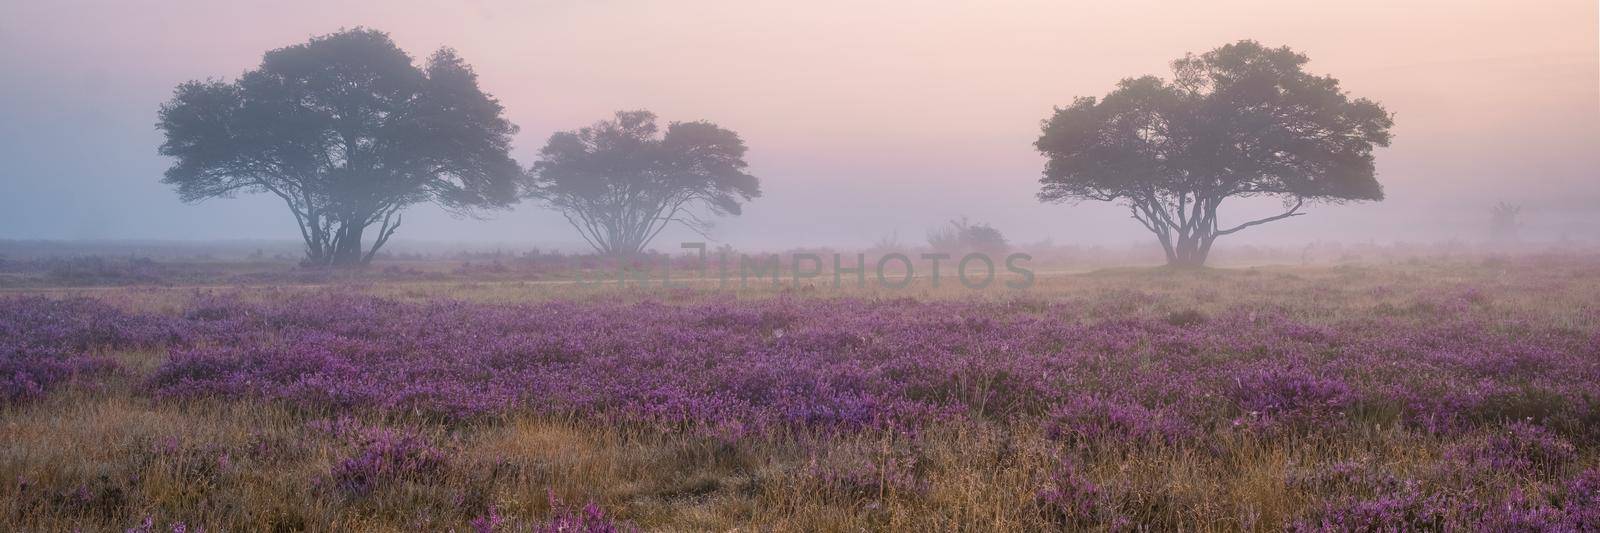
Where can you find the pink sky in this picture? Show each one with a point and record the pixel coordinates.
(863, 117)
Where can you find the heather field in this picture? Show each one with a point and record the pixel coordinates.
(1429, 394)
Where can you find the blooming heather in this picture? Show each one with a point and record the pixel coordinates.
(754, 365)
(45, 343)
(1512, 405)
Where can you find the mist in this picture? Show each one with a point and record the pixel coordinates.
(862, 121)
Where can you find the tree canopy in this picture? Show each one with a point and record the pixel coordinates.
(620, 182)
(348, 132)
(1243, 120)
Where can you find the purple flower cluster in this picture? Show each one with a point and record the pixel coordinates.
(1461, 488)
(45, 342)
(383, 456)
(1275, 395)
(740, 366)
(1406, 507)
(1519, 401)
(1403, 508)
(1518, 447)
(1072, 501)
(590, 519)
(1088, 420)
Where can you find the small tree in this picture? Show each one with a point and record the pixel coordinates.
(348, 132)
(620, 184)
(1241, 121)
(1504, 222)
(964, 236)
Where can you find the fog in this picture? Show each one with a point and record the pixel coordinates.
(862, 121)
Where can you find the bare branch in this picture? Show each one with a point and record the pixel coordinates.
(1293, 211)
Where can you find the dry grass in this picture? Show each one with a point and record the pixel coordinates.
(104, 457)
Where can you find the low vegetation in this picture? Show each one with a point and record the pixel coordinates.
(1435, 395)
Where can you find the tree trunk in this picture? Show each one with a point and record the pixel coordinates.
(338, 242)
(1191, 251)
(349, 252)
(319, 244)
(1194, 258)
(342, 248)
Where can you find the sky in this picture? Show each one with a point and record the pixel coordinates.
(864, 119)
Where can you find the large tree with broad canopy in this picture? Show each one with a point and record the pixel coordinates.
(1240, 121)
(620, 182)
(348, 132)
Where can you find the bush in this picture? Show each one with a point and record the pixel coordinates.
(963, 236)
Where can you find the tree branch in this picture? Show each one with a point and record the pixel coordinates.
(1293, 211)
(384, 232)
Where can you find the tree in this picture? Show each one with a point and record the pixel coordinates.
(348, 132)
(964, 236)
(1504, 222)
(1242, 120)
(620, 184)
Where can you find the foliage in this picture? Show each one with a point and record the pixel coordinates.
(1504, 221)
(963, 236)
(620, 184)
(348, 132)
(1240, 121)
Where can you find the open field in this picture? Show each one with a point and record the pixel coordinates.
(733, 266)
(1421, 394)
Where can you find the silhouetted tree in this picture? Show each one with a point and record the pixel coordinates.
(620, 183)
(964, 236)
(348, 132)
(1504, 222)
(1242, 120)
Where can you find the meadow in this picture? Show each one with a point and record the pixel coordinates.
(1451, 393)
